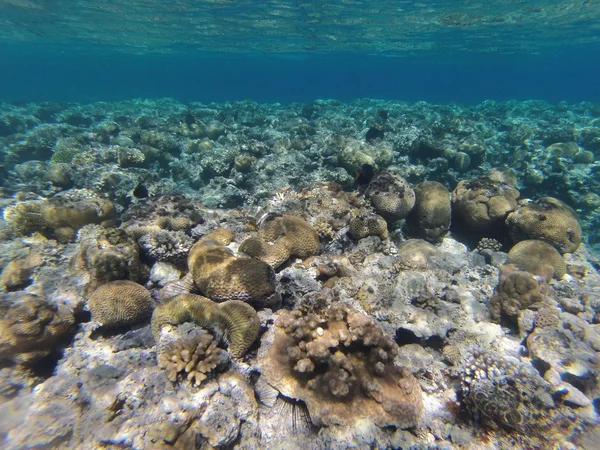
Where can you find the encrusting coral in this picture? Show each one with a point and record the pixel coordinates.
(30, 327)
(341, 364)
(516, 291)
(236, 321)
(120, 303)
(546, 219)
(281, 239)
(193, 359)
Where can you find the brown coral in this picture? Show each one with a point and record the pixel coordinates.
(430, 218)
(517, 290)
(236, 321)
(120, 303)
(31, 327)
(531, 253)
(483, 203)
(341, 364)
(391, 196)
(221, 276)
(65, 214)
(194, 359)
(281, 239)
(368, 224)
(546, 219)
(17, 273)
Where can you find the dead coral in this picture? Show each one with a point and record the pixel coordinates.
(341, 365)
(194, 359)
(236, 321)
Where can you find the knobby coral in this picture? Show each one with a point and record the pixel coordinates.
(236, 321)
(341, 364)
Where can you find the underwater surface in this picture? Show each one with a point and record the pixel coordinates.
(299, 225)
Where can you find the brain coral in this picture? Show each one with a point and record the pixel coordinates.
(120, 303)
(30, 327)
(483, 203)
(548, 220)
(391, 196)
(531, 253)
(221, 276)
(236, 321)
(430, 218)
(368, 224)
(517, 290)
(341, 365)
(193, 359)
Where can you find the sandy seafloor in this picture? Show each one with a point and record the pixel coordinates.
(452, 303)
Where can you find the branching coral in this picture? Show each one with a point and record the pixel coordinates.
(341, 365)
(193, 359)
(236, 321)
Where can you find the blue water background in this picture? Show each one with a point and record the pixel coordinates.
(35, 73)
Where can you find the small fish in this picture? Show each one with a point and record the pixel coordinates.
(190, 119)
(140, 191)
(374, 133)
(364, 175)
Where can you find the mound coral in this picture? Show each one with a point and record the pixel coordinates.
(120, 303)
(368, 224)
(236, 321)
(391, 196)
(193, 359)
(546, 219)
(430, 217)
(108, 255)
(484, 203)
(531, 253)
(281, 239)
(341, 364)
(221, 276)
(66, 213)
(31, 327)
(517, 290)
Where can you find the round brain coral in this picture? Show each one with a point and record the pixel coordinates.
(368, 224)
(120, 303)
(391, 196)
(483, 203)
(531, 253)
(430, 218)
(236, 321)
(222, 276)
(546, 219)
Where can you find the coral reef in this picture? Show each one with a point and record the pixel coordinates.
(529, 254)
(120, 303)
(368, 224)
(236, 321)
(341, 364)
